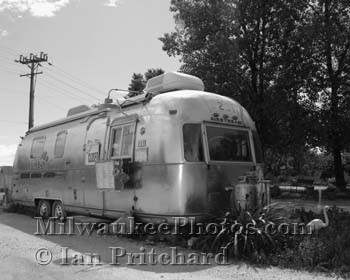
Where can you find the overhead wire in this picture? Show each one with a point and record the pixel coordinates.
(45, 100)
(58, 71)
(41, 98)
(78, 80)
(15, 71)
(53, 86)
(53, 78)
(71, 86)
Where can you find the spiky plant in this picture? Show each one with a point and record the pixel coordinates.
(244, 232)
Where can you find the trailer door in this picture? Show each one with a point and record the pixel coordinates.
(120, 186)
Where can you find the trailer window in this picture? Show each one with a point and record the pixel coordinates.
(25, 175)
(193, 145)
(226, 144)
(128, 132)
(35, 175)
(60, 144)
(38, 147)
(116, 141)
(122, 141)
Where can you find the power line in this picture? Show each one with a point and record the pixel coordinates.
(64, 88)
(58, 71)
(48, 85)
(71, 86)
(5, 90)
(53, 86)
(56, 106)
(62, 79)
(77, 80)
(61, 93)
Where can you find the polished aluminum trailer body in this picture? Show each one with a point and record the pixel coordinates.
(153, 170)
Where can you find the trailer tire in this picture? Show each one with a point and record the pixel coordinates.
(58, 210)
(44, 209)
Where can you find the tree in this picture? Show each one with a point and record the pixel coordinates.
(138, 81)
(328, 32)
(153, 73)
(248, 50)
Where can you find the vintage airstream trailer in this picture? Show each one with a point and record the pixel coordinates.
(174, 151)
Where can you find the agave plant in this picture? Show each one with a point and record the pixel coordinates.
(244, 232)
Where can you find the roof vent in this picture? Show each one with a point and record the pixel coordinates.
(173, 81)
(77, 110)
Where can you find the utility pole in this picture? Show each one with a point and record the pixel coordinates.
(33, 62)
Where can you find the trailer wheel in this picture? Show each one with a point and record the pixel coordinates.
(58, 210)
(44, 209)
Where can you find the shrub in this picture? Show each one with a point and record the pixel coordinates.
(244, 233)
(327, 251)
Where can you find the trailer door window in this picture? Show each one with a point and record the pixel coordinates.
(128, 132)
(60, 144)
(193, 145)
(38, 147)
(116, 141)
(226, 144)
(122, 141)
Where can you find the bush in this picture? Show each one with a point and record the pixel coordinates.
(327, 251)
(244, 234)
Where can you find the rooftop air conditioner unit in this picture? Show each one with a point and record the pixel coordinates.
(173, 81)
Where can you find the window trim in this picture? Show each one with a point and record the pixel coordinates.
(31, 149)
(122, 125)
(206, 144)
(65, 132)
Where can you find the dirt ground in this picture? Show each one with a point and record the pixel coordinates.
(19, 245)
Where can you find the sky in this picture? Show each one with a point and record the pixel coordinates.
(92, 46)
